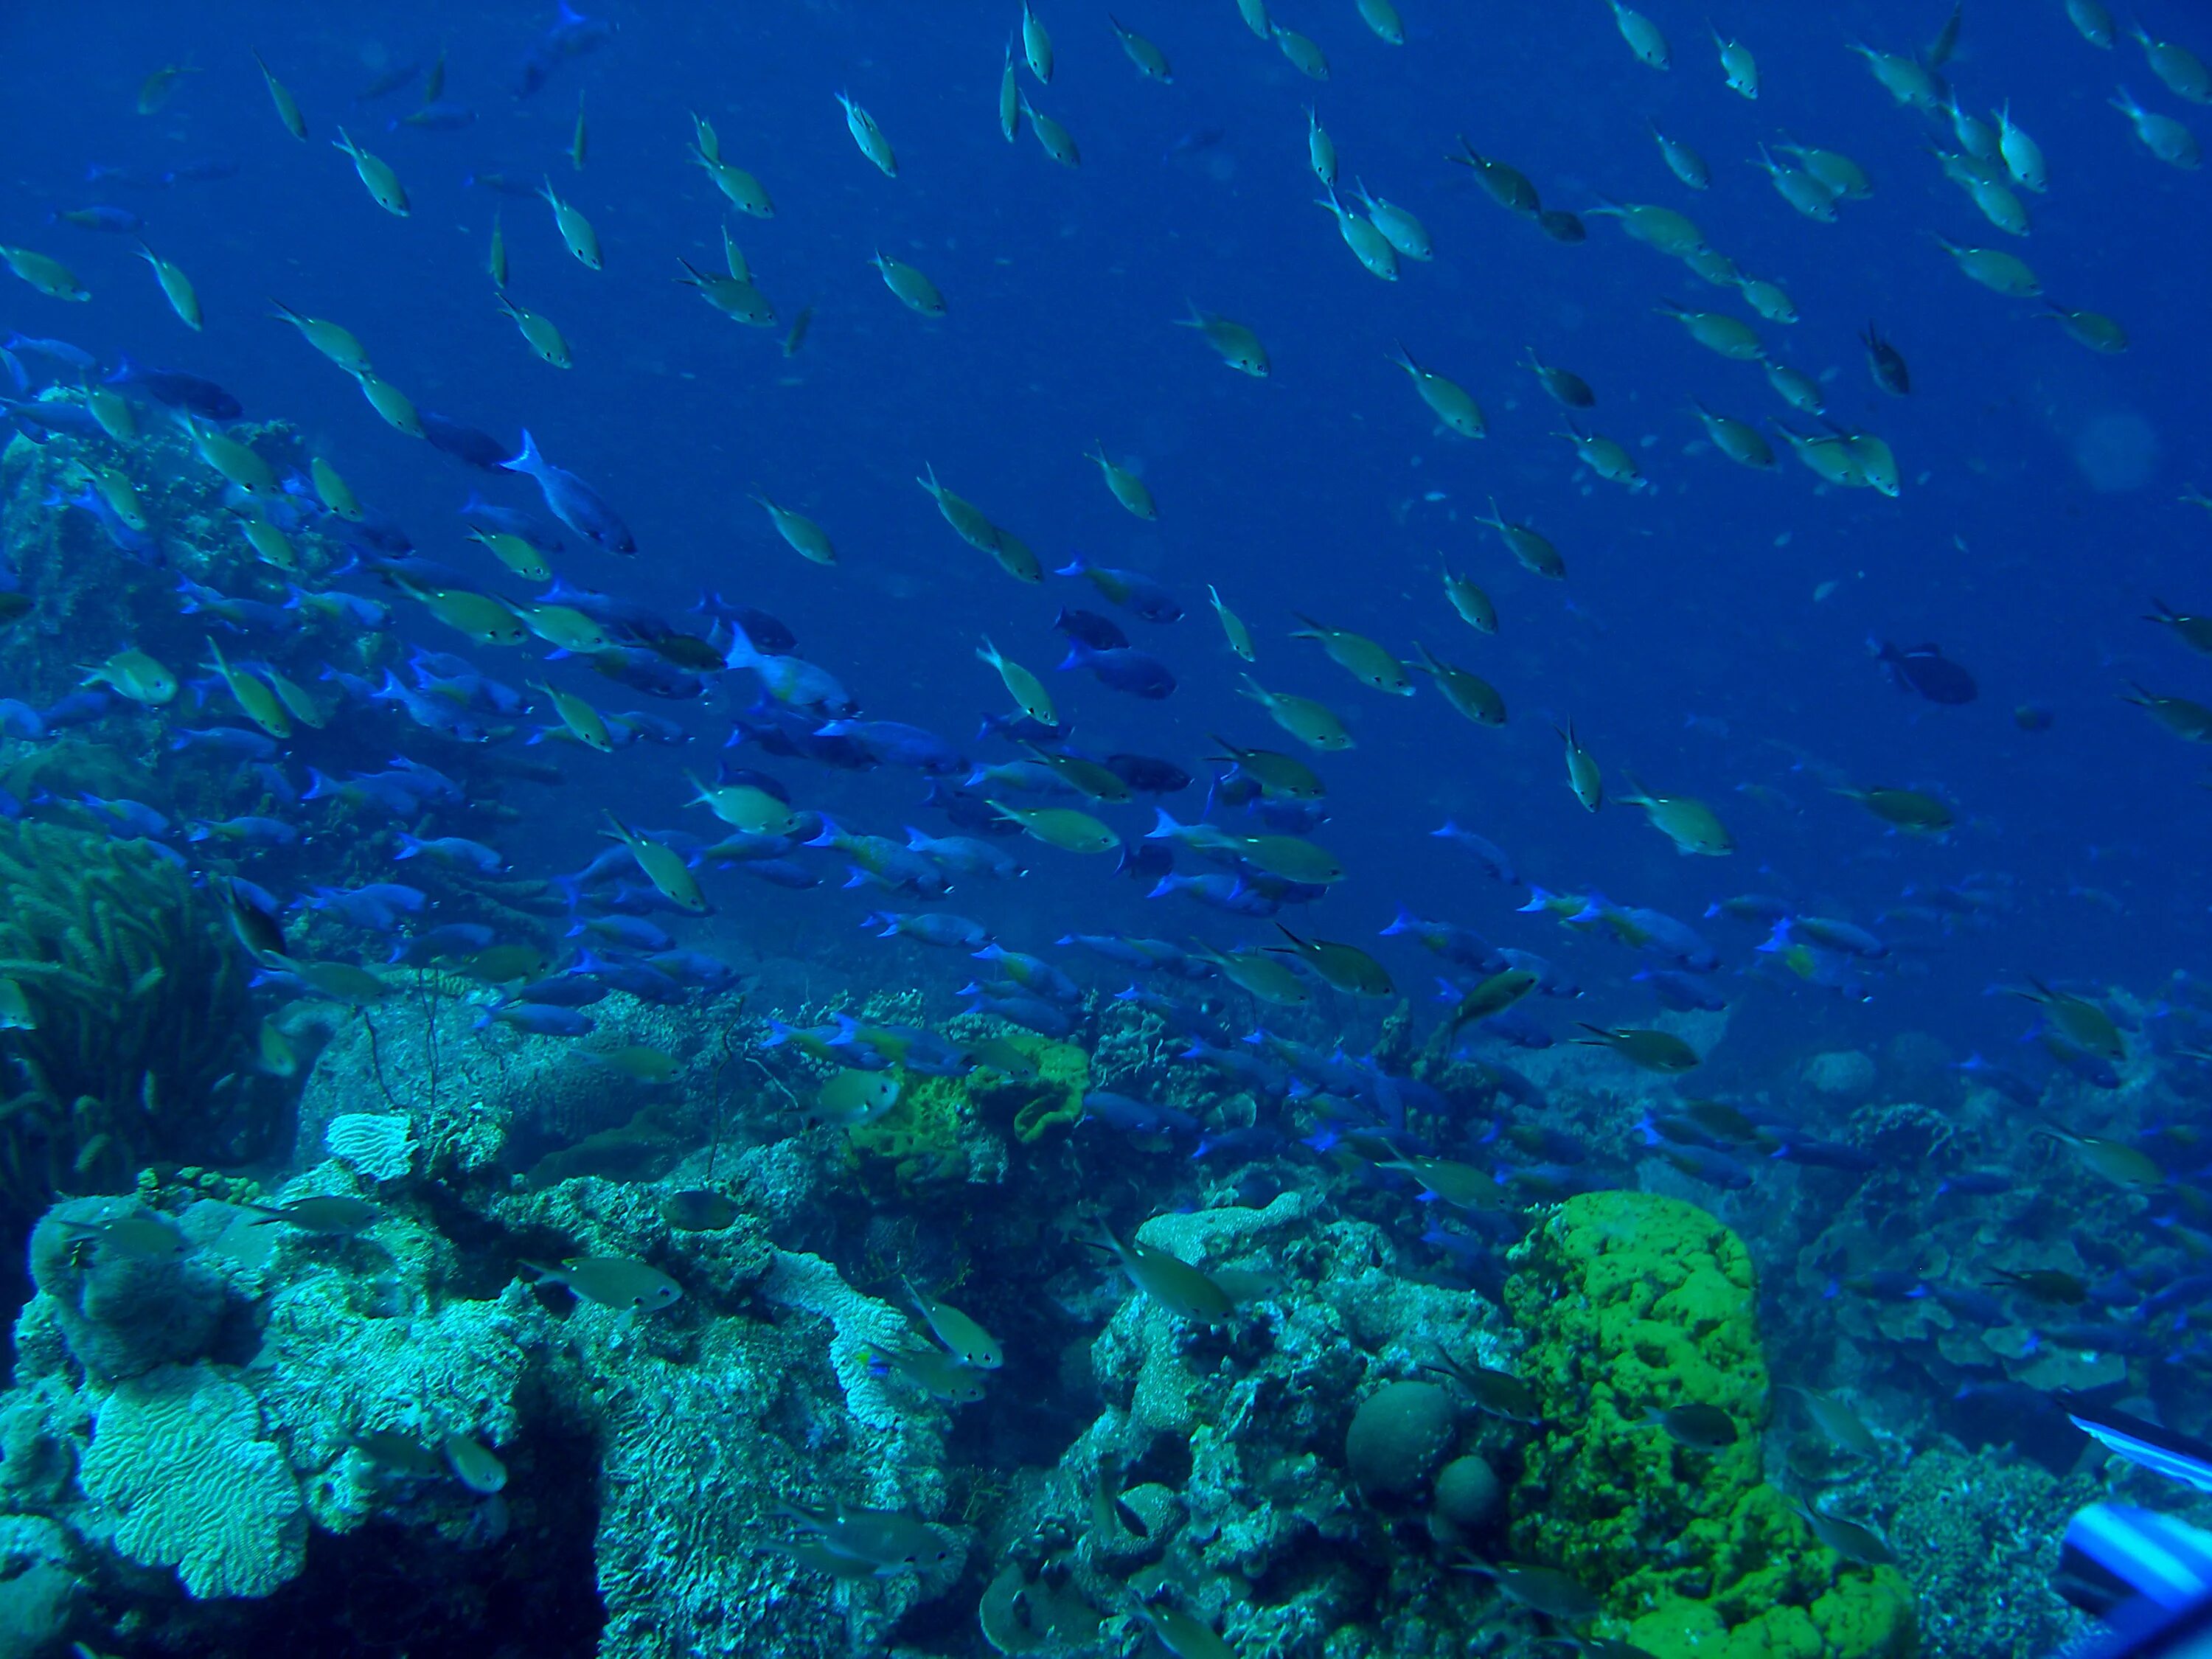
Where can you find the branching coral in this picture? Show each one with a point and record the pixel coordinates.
(139, 1008)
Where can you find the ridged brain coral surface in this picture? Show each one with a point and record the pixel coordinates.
(1634, 1302)
(380, 1145)
(178, 1456)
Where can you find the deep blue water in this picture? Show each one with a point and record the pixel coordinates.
(1687, 644)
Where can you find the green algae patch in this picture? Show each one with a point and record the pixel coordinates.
(1634, 1304)
(920, 1139)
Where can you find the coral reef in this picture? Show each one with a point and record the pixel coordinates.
(1975, 1534)
(379, 1145)
(955, 1130)
(374, 1353)
(178, 1461)
(1636, 1306)
(1228, 1449)
(123, 1309)
(40, 1587)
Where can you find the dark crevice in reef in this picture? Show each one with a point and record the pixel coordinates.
(391, 1590)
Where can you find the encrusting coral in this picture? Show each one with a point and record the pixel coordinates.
(1637, 1305)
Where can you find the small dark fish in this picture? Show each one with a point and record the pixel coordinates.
(389, 81)
(2004, 1080)
(1887, 1284)
(1978, 1183)
(1249, 1141)
(2033, 717)
(540, 1021)
(975, 813)
(1827, 1154)
(194, 173)
(563, 991)
(255, 928)
(1708, 1164)
(1491, 856)
(401, 1453)
(463, 443)
(2052, 1284)
(893, 743)
(1139, 673)
(1947, 38)
(1500, 1394)
(1547, 1590)
(767, 634)
(1132, 590)
(99, 173)
(120, 221)
(1700, 1427)
(1089, 628)
(443, 116)
(1119, 1111)
(1886, 363)
(503, 183)
(1847, 1538)
(1147, 774)
(179, 390)
(1145, 861)
(1191, 143)
(332, 1212)
(1681, 991)
(1926, 672)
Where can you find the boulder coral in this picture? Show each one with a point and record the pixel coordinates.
(1398, 1437)
(1634, 1304)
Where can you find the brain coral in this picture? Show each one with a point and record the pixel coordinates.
(380, 1145)
(1634, 1302)
(178, 1457)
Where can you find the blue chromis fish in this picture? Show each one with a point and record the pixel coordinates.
(572, 501)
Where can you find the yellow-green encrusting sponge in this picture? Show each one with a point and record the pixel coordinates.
(1633, 1303)
(921, 1135)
